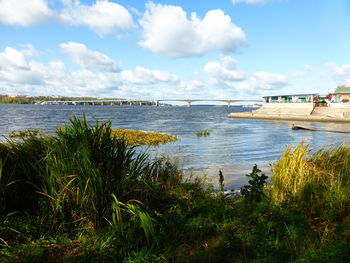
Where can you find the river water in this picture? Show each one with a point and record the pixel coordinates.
(234, 145)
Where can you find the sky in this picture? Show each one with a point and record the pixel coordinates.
(173, 49)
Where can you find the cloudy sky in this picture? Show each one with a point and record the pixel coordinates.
(171, 49)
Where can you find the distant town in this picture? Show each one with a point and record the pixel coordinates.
(29, 99)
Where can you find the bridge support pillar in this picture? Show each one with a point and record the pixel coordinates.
(140, 103)
(189, 104)
(157, 103)
(228, 104)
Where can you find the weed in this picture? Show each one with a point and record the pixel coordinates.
(203, 133)
(255, 190)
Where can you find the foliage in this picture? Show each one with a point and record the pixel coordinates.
(27, 133)
(136, 138)
(255, 190)
(38, 99)
(85, 196)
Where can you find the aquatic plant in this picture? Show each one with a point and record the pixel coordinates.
(203, 133)
(136, 137)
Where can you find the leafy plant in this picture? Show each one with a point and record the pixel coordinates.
(255, 190)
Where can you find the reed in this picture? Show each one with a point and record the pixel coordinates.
(316, 182)
(85, 165)
(291, 172)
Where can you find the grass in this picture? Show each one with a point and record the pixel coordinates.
(203, 133)
(136, 137)
(85, 195)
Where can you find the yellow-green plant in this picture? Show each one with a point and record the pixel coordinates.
(203, 133)
(136, 137)
(317, 182)
(133, 209)
(291, 172)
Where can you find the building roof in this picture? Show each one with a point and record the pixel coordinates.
(342, 89)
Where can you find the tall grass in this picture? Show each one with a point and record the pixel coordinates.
(22, 163)
(94, 165)
(114, 204)
(72, 176)
(317, 182)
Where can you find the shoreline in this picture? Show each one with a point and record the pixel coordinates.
(249, 115)
(297, 112)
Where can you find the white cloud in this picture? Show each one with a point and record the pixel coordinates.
(103, 17)
(225, 69)
(30, 77)
(12, 58)
(263, 83)
(166, 30)
(142, 75)
(21, 76)
(341, 73)
(29, 50)
(25, 12)
(269, 81)
(87, 58)
(254, 2)
(306, 69)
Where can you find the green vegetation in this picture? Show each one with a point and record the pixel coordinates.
(86, 196)
(203, 133)
(36, 99)
(136, 138)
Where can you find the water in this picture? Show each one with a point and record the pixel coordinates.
(234, 145)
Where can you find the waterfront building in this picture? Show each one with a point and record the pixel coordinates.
(295, 98)
(341, 94)
(334, 107)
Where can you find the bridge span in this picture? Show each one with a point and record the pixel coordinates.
(156, 102)
(190, 101)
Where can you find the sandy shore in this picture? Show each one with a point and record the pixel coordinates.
(297, 112)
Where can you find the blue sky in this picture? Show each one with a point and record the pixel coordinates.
(224, 49)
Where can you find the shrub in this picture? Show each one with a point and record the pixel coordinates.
(255, 190)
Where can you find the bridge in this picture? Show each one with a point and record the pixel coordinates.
(119, 102)
(130, 102)
(190, 101)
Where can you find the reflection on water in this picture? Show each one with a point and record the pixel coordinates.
(234, 145)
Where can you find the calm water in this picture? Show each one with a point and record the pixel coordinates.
(234, 145)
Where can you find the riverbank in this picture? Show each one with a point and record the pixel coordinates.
(297, 112)
(84, 196)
